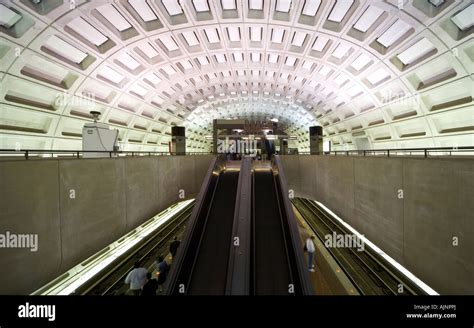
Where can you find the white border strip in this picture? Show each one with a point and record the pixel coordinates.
(397, 265)
(80, 274)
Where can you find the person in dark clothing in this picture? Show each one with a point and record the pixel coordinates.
(174, 246)
(161, 271)
(150, 287)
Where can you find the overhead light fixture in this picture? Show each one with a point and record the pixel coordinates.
(341, 79)
(416, 51)
(128, 61)
(139, 90)
(238, 57)
(169, 42)
(114, 17)
(172, 7)
(340, 10)
(212, 35)
(203, 61)
(153, 79)
(368, 18)
(307, 65)
(168, 69)
(378, 76)
(228, 5)
(393, 33)
(298, 39)
(325, 70)
(201, 5)
(234, 33)
(283, 6)
(87, 31)
(320, 43)
(186, 64)
(191, 38)
(277, 35)
(464, 20)
(355, 91)
(8, 17)
(64, 49)
(256, 4)
(255, 34)
(311, 7)
(361, 62)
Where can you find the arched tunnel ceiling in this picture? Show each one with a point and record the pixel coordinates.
(391, 73)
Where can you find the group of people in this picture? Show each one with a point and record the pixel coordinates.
(143, 282)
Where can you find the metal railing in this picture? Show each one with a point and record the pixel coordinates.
(424, 152)
(78, 154)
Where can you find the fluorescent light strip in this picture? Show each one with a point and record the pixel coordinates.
(340, 10)
(8, 17)
(394, 33)
(87, 31)
(114, 17)
(368, 18)
(277, 35)
(255, 34)
(201, 5)
(256, 4)
(79, 275)
(378, 76)
(416, 51)
(128, 61)
(64, 49)
(142, 8)
(390, 260)
(320, 43)
(298, 39)
(111, 75)
(172, 7)
(191, 38)
(360, 62)
(233, 33)
(212, 35)
(283, 6)
(465, 19)
(311, 7)
(228, 5)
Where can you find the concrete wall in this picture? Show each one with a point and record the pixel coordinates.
(416, 230)
(77, 207)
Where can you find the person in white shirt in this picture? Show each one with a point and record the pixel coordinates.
(309, 246)
(137, 279)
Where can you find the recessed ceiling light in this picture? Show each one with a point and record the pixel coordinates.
(378, 76)
(255, 34)
(228, 5)
(153, 78)
(325, 70)
(256, 4)
(128, 61)
(298, 39)
(203, 60)
(139, 90)
(273, 58)
(168, 69)
(238, 57)
(148, 50)
(255, 57)
(361, 62)
(191, 38)
(212, 35)
(114, 17)
(290, 61)
(186, 64)
(277, 35)
(111, 75)
(368, 18)
(340, 10)
(341, 50)
(220, 58)
(169, 42)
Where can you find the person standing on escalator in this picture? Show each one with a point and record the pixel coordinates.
(310, 248)
(174, 246)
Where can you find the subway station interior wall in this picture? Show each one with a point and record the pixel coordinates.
(416, 230)
(111, 197)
